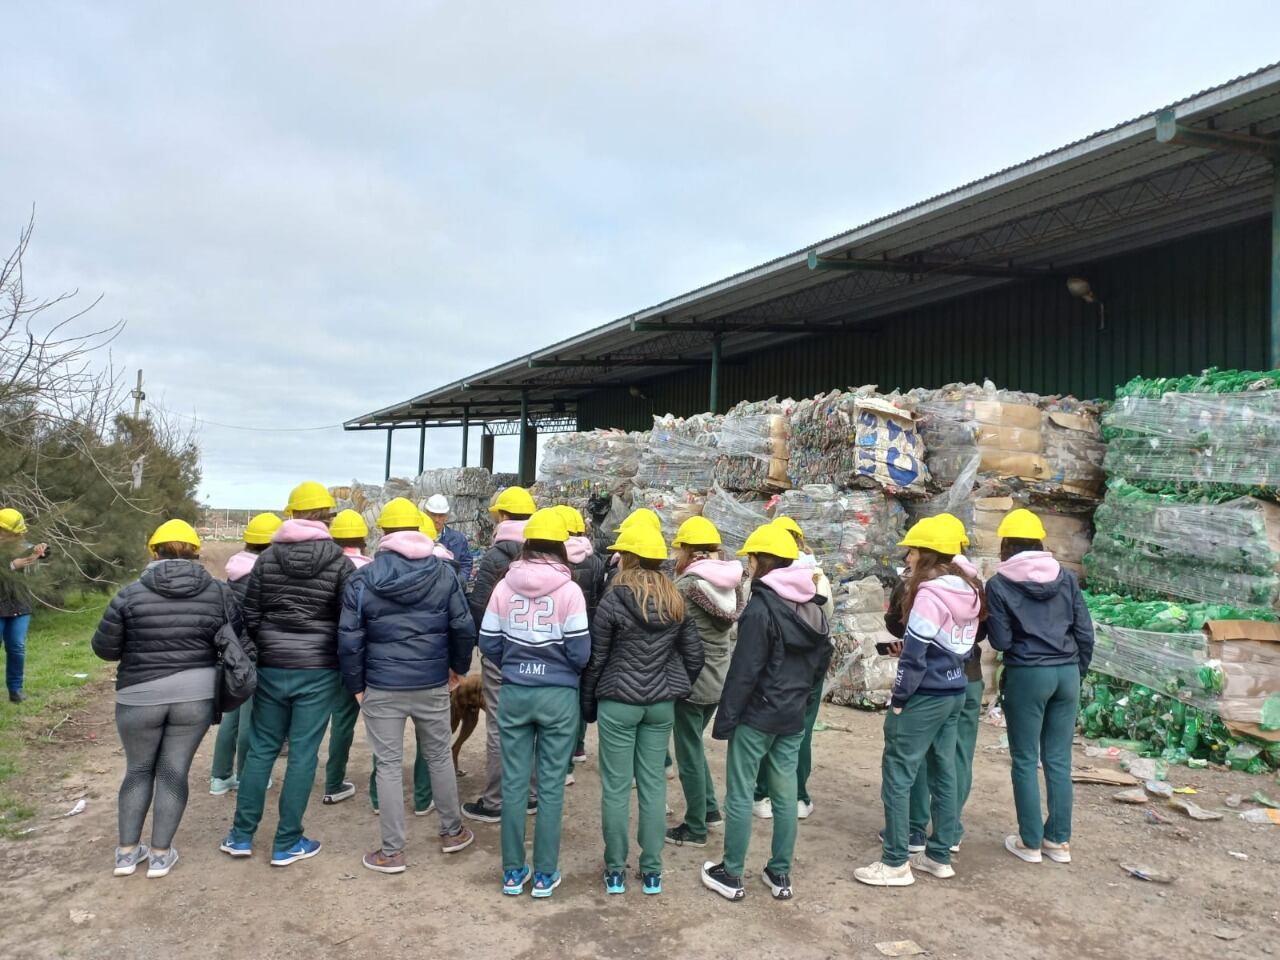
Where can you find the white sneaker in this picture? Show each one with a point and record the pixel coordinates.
(880, 874)
(762, 809)
(922, 861)
(1057, 852)
(804, 810)
(569, 780)
(422, 813)
(220, 788)
(1014, 845)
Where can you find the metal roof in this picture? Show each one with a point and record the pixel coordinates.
(1114, 191)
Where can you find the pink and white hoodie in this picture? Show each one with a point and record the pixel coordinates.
(579, 548)
(240, 564)
(535, 626)
(357, 558)
(301, 531)
(941, 631)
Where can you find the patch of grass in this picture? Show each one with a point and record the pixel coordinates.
(60, 662)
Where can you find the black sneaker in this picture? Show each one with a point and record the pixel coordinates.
(682, 836)
(917, 842)
(779, 884)
(481, 813)
(714, 820)
(715, 878)
(16, 696)
(532, 807)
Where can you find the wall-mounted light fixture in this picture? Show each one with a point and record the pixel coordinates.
(1080, 287)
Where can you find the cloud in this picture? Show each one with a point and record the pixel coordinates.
(308, 211)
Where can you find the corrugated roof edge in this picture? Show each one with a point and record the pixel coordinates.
(1234, 87)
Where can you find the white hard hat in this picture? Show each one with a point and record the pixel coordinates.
(437, 503)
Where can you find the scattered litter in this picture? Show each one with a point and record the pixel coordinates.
(1155, 816)
(1228, 934)
(1145, 768)
(77, 809)
(900, 948)
(1101, 775)
(23, 833)
(1261, 816)
(994, 716)
(1150, 874)
(1158, 788)
(1194, 810)
(1136, 795)
(346, 876)
(78, 676)
(1001, 744)
(81, 917)
(1262, 798)
(1188, 791)
(1234, 800)
(1237, 854)
(1105, 753)
(821, 727)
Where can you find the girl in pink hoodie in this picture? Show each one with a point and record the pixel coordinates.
(943, 605)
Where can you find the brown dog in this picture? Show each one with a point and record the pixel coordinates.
(466, 701)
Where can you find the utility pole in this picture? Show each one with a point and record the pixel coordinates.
(138, 397)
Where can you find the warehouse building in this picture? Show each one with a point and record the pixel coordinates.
(1147, 249)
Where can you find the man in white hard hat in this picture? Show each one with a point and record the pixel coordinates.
(449, 538)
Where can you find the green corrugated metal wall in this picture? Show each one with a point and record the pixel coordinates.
(1170, 310)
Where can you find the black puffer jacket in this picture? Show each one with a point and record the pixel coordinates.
(165, 622)
(493, 567)
(589, 576)
(293, 602)
(638, 661)
(783, 650)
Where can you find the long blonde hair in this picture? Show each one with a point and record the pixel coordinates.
(648, 583)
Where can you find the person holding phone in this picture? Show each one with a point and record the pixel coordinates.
(15, 598)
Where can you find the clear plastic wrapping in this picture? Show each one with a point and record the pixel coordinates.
(1197, 440)
(858, 437)
(852, 533)
(753, 447)
(859, 677)
(735, 515)
(591, 463)
(673, 507)
(1152, 545)
(680, 452)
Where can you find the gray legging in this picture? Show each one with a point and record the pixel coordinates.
(159, 744)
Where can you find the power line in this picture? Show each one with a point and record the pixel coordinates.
(201, 421)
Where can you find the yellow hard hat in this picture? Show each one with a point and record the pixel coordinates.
(642, 540)
(697, 532)
(1021, 525)
(953, 524)
(773, 539)
(349, 525)
(573, 520)
(428, 526)
(174, 531)
(12, 521)
(262, 528)
(934, 534)
(789, 525)
(400, 514)
(310, 496)
(642, 516)
(546, 524)
(513, 500)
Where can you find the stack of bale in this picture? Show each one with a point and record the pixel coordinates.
(753, 448)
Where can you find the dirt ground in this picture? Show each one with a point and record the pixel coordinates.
(330, 907)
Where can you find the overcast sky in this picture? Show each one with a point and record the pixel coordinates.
(306, 211)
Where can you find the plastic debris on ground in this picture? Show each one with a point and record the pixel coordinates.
(1150, 874)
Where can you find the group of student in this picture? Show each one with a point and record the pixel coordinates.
(568, 638)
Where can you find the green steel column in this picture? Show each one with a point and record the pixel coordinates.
(715, 373)
(387, 473)
(466, 431)
(422, 447)
(1275, 266)
(524, 436)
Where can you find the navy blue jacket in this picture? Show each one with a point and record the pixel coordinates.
(453, 541)
(405, 624)
(1040, 624)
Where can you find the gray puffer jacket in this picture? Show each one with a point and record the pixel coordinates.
(714, 598)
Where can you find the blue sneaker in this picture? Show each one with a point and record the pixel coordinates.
(513, 881)
(917, 842)
(304, 849)
(652, 883)
(545, 883)
(235, 847)
(615, 882)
